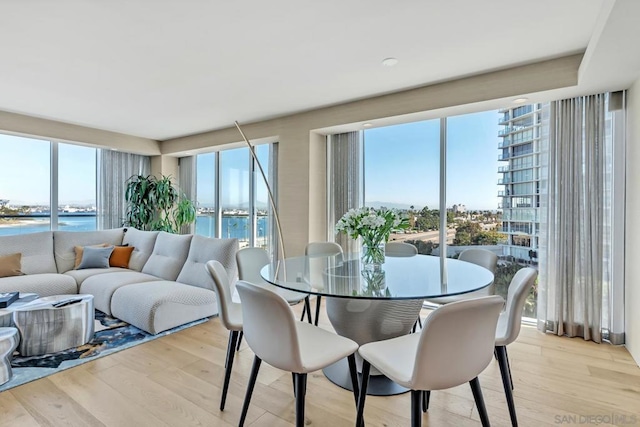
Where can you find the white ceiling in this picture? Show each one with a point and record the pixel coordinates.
(166, 68)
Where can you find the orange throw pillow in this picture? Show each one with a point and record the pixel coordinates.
(11, 265)
(120, 256)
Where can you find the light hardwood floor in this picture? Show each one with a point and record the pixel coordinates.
(176, 381)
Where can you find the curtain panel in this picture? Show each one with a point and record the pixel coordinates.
(187, 170)
(114, 169)
(575, 239)
(345, 158)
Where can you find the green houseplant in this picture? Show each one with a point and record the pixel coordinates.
(156, 204)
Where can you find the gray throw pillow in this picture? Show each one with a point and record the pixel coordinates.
(93, 257)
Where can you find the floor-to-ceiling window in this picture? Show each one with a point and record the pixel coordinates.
(402, 166)
(232, 195)
(46, 185)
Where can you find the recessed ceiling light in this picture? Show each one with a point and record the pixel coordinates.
(366, 125)
(389, 62)
(188, 153)
(520, 100)
(114, 149)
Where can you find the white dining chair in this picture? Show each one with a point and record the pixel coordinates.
(400, 249)
(508, 329)
(230, 315)
(250, 261)
(320, 249)
(276, 337)
(482, 257)
(454, 347)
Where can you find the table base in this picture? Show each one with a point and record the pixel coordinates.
(379, 385)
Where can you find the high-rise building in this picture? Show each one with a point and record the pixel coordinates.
(520, 197)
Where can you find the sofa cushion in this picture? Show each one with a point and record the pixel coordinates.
(36, 250)
(64, 243)
(102, 286)
(95, 257)
(43, 284)
(120, 256)
(143, 242)
(11, 265)
(81, 275)
(168, 257)
(79, 250)
(158, 306)
(203, 249)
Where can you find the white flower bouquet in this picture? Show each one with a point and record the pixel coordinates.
(374, 226)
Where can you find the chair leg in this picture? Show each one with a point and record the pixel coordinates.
(506, 356)
(252, 382)
(239, 340)
(293, 380)
(318, 299)
(301, 390)
(477, 396)
(307, 310)
(416, 415)
(505, 372)
(304, 310)
(354, 375)
(426, 396)
(366, 368)
(231, 352)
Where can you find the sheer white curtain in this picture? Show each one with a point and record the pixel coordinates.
(576, 210)
(345, 154)
(187, 170)
(114, 168)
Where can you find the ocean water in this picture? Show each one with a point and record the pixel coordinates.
(232, 226)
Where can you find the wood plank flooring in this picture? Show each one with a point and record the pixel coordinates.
(176, 381)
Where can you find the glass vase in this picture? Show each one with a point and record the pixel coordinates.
(372, 256)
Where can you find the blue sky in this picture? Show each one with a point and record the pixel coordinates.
(402, 162)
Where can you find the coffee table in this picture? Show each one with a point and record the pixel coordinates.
(45, 328)
(6, 314)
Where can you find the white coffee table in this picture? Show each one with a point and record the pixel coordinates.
(6, 314)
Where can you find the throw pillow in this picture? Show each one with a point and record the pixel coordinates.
(120, 256)
(11, 265)
(79, 251)
(95, 257)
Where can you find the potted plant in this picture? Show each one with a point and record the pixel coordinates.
(156, 204)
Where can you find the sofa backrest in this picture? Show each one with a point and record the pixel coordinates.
(36, 250)
(64, 243)
(168, 256)
(143, 243)
(202, 250)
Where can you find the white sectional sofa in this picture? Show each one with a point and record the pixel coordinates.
(166, 284)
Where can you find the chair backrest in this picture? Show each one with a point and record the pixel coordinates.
(223, 290)
(269, 327)
(483, 258)
(400, 249)
(511, 318)
(322, 248)
(456, 343)
(250, 261)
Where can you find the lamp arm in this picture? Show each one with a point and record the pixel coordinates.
(269, 193)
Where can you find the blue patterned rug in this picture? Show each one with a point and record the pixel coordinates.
(112, 335)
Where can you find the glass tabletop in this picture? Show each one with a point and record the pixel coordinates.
(417, 277)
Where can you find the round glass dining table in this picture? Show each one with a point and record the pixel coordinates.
(367, 304)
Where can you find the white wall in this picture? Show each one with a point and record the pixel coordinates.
(632, 238)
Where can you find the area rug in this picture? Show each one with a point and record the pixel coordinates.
(111, 335)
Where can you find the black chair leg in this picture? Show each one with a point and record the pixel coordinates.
(301, 390)
(366, 368)
(304, 309)
(416, 414)
(477, 396)
(318, 300)
(506, 356)
(505, 372)
(307, 310)
(252, 382)
(353, 372)
(228, 364)
(426, 396)
(239, 341)
(293, 379)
